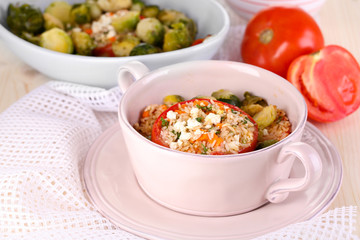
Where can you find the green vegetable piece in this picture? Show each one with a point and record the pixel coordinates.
(203, 97)
(126, 22)
(191, 26)
(95, 10)
(266, 116)
(252, 109)
(151, 31)
(57, 40)
(83, 43)
(35, 39)
(80, 14)
(143, 49)
(150, 11)
(226, 96)
(170, 100)
(137, 5)
(60, 10)
(124, 47)
(170, 16)
(266, 143)
(24, 18)
(177, 37)
(52, 22)
(114, 5)
(252, 99)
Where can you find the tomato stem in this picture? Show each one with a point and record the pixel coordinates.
(266, 36)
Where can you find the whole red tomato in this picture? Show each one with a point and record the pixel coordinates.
(329, 81)
(277, 35)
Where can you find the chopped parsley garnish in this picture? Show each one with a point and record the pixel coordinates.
(204, 108)
(164, 123)
(280, 118)
(204, 150)
(177, 134)
(234, 112)
(199, 119)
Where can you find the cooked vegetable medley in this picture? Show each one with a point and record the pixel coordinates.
(103, 27)
(219, 124)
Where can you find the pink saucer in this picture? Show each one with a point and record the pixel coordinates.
(114, 191)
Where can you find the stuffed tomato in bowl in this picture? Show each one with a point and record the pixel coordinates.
(214, 138)
(210, 125)
(85, 41)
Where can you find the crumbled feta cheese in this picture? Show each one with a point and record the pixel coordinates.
(197, 133)
(185, 136)
(212, 118)
(194, 112)
(173, 145)
(180, 126)
(171, 115)
(265, 132)
(234, 145)
(192, 123)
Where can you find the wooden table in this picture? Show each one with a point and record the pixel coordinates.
(339, 21)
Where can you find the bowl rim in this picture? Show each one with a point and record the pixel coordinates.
(230, 157)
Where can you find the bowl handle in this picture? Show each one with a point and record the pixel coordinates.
(129, 73)
(311, 161)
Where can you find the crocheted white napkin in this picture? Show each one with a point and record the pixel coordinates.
(45, 136)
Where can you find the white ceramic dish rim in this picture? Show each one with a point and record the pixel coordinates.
(211, 40)
(232, 157)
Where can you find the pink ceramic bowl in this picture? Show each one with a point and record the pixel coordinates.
(214, 185)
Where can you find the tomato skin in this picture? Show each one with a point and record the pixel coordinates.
(277, 35)
(329, 81)
(104, 51)
(155, 135)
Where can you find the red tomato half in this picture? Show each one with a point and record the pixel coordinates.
(329, 81)
(156, 131)
(277, 35)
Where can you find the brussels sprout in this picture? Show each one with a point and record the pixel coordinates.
(95, 10)
(177, 37)
(124, 47)
(266, 116)
(204, 97)
(252, 109)
(252, 99)
(127, 22)
(80, 14)
(226, 96)
(191, 26)
(150, 11)
(114, 5)
(169, 16)
(170, 100)
(266, 143)
(52, 22)
(60, 10)
(151, 31)
(35, 39)
(57, 40)
(143, 49)
(137, 5)
(83, 43)
(24, 18)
